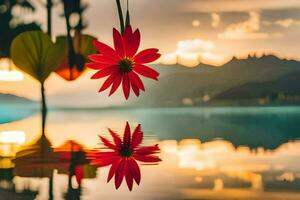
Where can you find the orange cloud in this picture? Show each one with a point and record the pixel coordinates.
(216, 19)
(192, 52)
(249, 29)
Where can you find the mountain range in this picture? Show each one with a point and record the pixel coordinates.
(236, 80)
(240, 80)
(15, 108)
(13, 99)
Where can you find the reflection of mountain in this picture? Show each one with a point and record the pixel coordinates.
(15, 107)
(177, 83)
(266, 127)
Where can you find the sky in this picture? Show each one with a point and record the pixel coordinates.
(189, 31)
(209, 31)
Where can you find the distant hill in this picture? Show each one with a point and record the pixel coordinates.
(16, 108)
(9, 98)
(239, 79)
(178, 83)
(287, 85)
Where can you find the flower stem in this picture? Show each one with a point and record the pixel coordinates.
(49, 17)
(127, 21)
(120, 16)
(43, 107)
(71, 50)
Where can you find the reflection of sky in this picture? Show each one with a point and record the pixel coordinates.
(191, 168)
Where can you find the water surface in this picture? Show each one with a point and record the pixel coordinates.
(208, 153)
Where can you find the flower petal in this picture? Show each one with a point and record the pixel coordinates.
(137, 137)
(136, 78)
(148, 159)
(132, 42)
(147, 150)
(99, 58)
(116, 137)
(105, 72)
(96, 66)
(120, 173)
(127, 38)
(134, 87)
(100, 155)
(127, 136)
(118, 43)
(105, 161)
(107, 143)
(108, 82)
(113, 169)
(146, 71)
(127, 33)
(126, 86)
(106, 50)
(134, 170)
(128, 177)
(115, 85)
(147, 56)
(135, 43)
(79, 174)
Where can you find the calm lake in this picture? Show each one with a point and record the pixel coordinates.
(208, 153)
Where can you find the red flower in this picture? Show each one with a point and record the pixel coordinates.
(124, 156)
(123, 64)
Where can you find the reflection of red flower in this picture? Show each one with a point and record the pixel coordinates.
(123, 64)
(72, 154)
(124, 156)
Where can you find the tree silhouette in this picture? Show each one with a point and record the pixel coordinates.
(12, 25)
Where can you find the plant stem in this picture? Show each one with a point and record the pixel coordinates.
(43, 108)
(71, 50)
(120, 16)
(51, 188)
(49, 17)
(127, 20)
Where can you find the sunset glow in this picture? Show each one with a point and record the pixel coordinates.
(12, 137)
(8, 71)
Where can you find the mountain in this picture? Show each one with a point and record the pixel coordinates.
(287, 85)
(13, 99)
(179, 84)
(16, 108)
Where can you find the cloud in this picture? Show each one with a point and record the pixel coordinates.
(194, 46)
(249, 29)
(196, 23)
(287, 22)
(191, 52)
(237, 5)
(215, 20)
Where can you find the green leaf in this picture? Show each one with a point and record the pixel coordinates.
(83, 44)
(34, 53)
